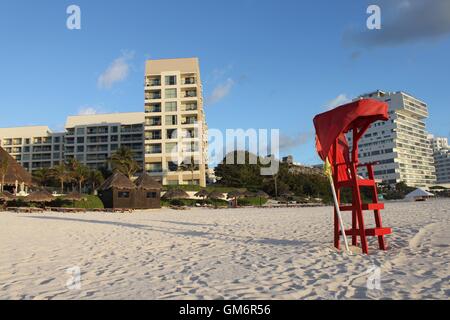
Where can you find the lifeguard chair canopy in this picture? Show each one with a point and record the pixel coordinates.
(332, 126)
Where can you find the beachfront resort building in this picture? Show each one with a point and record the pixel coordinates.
(175, 127)
(441, 153)
(34, 147)
(400, 145)
(92, 139)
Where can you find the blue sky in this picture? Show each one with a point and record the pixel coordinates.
(268, 64)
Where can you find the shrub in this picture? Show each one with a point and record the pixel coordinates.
(251, 201)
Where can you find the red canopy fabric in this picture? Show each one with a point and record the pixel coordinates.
(332, 125)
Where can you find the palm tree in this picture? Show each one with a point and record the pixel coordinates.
(123, 161)
(4, 166)
(80, 174)
(95, 178)
(61, 173)
(42, 176)
(189, 166)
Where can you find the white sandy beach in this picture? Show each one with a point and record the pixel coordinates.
(221, 254)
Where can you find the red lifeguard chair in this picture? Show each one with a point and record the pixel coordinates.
(332, 146)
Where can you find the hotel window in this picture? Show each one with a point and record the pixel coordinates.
(80, 131)
(114, 147)
(80, 149)
(27, 141)
(171, 134)
(171, 147)
(80, 139)
(171, 120)
(171, 93)
(171, 80)
(153, 135)
(115, 129)
(114, 138)
(172, 166)
(171, 106)
(153, 167)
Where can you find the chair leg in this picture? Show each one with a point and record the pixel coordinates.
(381, 241)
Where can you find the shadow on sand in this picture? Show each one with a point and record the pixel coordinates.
(182, 232)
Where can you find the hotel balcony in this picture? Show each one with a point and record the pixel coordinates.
(189, 120)
(189, 93)
(153, 121)
(154, 81)
(153, 108)
(153, 95)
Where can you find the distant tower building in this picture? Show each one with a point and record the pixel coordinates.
(400, 145)
(441, 151)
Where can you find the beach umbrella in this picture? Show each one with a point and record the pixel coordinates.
(235, 194)
(40, 197)
(215, 195)
(7, 196)
(202, 193)
(261, 195)
(74, 196)
(175, 194)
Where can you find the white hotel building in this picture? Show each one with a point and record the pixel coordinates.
(400, 145)
(441, 151)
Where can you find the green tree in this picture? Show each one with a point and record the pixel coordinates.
(42, 176)
(95, 178)
(80, 174)
(62, 174)
(123, 161)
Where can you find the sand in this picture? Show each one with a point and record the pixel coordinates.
(283, 253)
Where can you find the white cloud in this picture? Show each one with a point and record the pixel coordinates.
(291, 142)
(116, 72)
(220, 92)
(87, 111)
(338, 101)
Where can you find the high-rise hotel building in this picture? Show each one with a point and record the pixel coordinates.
(175, 127)
(400, 145)
(441, 151)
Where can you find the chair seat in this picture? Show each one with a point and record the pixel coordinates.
(373, 232)
(366, 206)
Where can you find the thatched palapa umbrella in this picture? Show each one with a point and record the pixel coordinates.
(215, 195)
(40, 197)
(74, 196)
(202, 193)
(175, 194)
(235, 194)
(7, 196)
